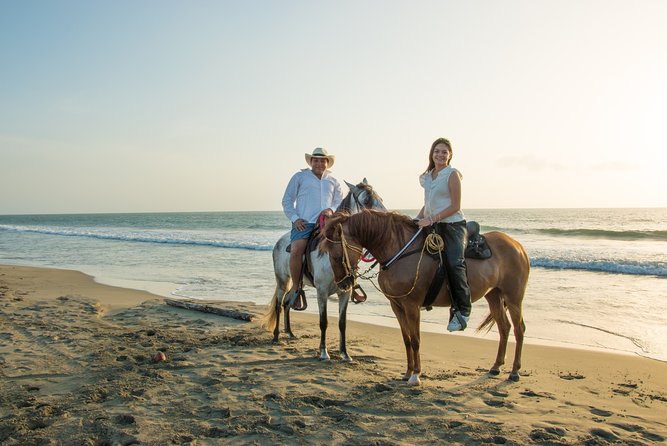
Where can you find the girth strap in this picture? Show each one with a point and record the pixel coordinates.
(306, 269)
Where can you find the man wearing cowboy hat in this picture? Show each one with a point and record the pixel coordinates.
(309, 193)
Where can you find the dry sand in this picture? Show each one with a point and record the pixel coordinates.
(76, 368)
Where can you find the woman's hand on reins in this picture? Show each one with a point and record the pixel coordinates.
(424, 222)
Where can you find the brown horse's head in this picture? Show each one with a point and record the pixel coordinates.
(344, 252)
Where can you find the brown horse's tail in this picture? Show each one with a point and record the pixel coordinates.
(487, 323)
(268, 319)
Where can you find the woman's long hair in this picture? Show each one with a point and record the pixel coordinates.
(431, 163)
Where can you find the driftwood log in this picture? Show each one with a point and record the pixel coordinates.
(236, 314)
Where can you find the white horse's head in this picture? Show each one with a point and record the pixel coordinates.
(361, 196)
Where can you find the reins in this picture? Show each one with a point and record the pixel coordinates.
(402, 250)
(433, 243)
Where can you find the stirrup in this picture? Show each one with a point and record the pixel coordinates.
(296, 300)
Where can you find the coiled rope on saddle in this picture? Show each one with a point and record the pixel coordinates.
(435, 244)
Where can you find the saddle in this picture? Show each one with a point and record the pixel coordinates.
(477, 247)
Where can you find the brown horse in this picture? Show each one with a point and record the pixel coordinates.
(501, 279)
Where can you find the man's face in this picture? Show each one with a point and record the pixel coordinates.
(319, 165)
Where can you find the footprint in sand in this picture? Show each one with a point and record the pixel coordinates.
(532, 394)
(499, 393)
(608, 436)
(640, 430)
(570, 376)
(547, 434)
(625, 388)
(601, 412)
(497, 403)
(496, 439)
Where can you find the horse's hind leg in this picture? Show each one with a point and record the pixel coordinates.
(288, 326)
(277, 300)
(516, 314)
(497, 309)
(343, 300)
(276, 329)
(284, 286)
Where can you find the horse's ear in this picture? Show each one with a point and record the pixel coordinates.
(351, 186)
(365, 181)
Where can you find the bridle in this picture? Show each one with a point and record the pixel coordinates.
(433, 243)
(350, 271)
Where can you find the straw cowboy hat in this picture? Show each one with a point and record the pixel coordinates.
(320, 153)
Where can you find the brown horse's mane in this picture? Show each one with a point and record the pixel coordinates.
(379, 228)
(375, 227)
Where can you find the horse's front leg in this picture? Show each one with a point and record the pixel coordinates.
(322, 305)
(343, 300)
(412, 317)
(400, 315)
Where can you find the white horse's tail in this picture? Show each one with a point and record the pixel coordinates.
(268, 320)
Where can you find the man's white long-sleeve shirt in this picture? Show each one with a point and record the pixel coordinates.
(307, 196)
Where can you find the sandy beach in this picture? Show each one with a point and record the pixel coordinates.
(77, 367)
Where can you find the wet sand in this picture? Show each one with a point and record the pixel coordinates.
(77, 367)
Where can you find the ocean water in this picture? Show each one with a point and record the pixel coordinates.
(598, 277)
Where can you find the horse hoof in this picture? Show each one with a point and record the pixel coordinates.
(291, 336)
(346, 358)
(414, 381)
(324, 356)
(513, 377)
(494, 372)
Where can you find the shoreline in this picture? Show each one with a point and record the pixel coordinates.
(170, 289)
(76, 366)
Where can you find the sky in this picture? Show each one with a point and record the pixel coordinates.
(160, 106)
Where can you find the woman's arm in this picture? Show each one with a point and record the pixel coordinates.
(455, 194)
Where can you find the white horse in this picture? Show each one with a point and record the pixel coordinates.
(360, 197)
